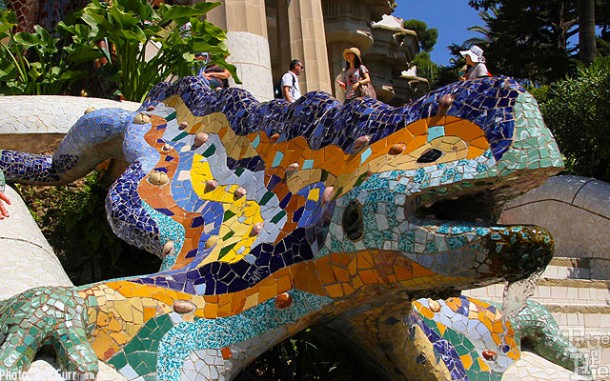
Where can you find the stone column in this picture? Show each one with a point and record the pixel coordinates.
(393, 49)
(308, 42)
(248, 43)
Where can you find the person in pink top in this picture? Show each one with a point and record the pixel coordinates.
(355, 74)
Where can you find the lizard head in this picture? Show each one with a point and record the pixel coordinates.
(433, 190)
(382, 195)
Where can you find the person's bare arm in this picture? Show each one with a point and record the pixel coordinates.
(286, 91)
(366, 79)
(363, 81)
(225, 74)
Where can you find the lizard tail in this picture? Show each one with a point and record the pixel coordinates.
(96, 136)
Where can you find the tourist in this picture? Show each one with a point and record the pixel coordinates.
(476, 63)
(217, 75)
(355, 75)
(290, 81)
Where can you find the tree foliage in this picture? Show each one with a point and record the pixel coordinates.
(529, 39)
(427, 37)
(576, 110)
(484, 31)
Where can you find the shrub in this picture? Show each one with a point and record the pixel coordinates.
(34, 63)
(73, 219)
(577, 110)
(133, 45)
(125, 35)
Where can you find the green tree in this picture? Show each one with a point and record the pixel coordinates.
(425, 67)
(528, 39)
(427, 37)
(486, 37)
(589, 11)
(602, 19)
(576, 110)
(586, 31)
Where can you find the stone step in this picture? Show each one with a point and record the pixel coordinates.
(573, 292)
(588, 328)
(556, 291)
(581, 308)
(568, 268)
(577, 268)
(573, 318)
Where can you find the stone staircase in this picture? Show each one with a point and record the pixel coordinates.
(578, 296)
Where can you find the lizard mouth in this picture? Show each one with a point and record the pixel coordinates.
(482, 207)
(478, 202)
(513, 251)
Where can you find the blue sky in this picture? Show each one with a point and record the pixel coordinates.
(450, 17)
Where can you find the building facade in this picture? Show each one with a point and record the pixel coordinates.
(264, 35)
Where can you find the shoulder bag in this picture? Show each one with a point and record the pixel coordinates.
(367, 90)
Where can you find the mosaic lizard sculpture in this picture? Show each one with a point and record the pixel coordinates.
(272, 217)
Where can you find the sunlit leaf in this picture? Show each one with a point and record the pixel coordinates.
(169, 12)
(27, 40)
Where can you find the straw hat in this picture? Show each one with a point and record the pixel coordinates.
(356, 51)
(475, 53)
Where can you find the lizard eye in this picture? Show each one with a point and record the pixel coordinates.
(430, 156)
(353, 225)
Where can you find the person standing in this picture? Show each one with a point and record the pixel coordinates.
(475, 61)
(355, 74)
(290, 81)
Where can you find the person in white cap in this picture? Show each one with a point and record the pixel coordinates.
(476, 63)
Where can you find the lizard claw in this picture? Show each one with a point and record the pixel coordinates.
(45, 315)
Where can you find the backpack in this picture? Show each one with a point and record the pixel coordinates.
(278, 92)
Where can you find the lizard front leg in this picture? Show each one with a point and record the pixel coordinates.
(55, 315)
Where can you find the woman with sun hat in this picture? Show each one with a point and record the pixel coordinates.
(355, 74)
(476, 63)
